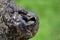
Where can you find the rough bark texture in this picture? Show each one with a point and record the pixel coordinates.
(16, 23)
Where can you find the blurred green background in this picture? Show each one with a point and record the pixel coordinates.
(48, 12)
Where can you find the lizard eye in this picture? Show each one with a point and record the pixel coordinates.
(24, 12)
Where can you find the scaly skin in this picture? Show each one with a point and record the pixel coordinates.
(16, 23)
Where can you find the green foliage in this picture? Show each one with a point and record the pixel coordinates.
(48, 12)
